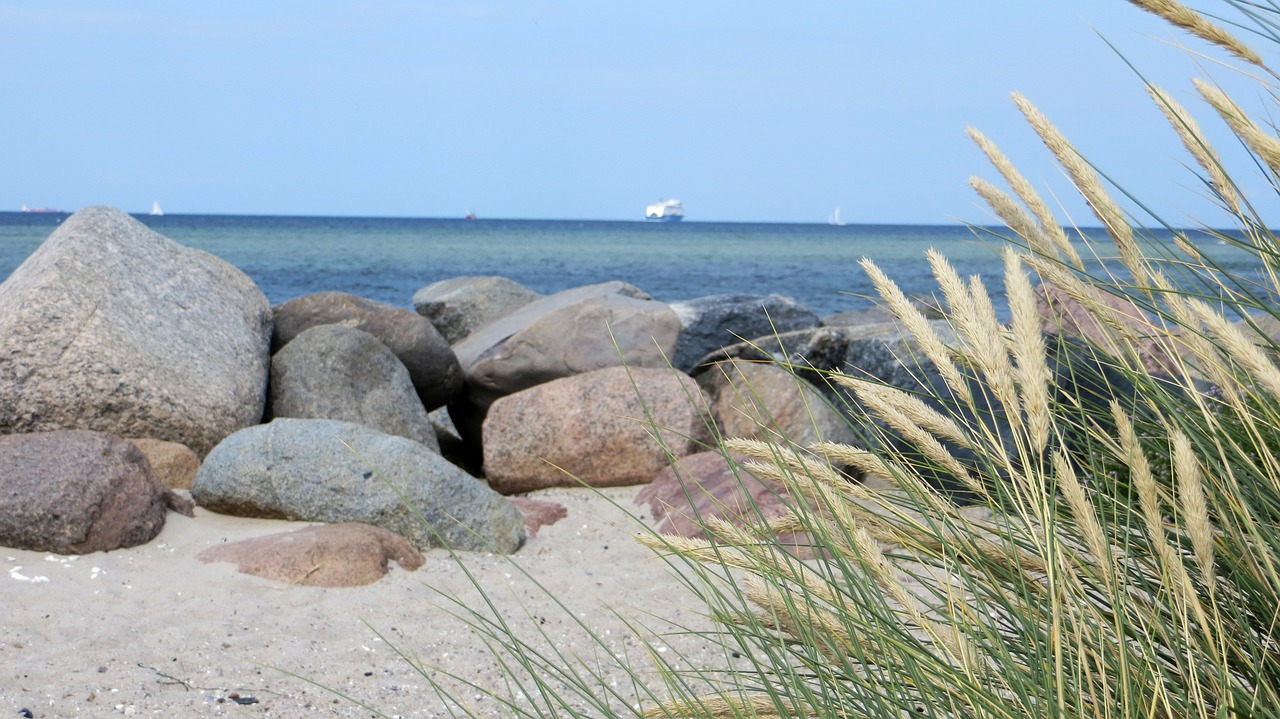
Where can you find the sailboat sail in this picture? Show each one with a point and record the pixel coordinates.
(835, 218)
(155, 208)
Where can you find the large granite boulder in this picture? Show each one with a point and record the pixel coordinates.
(411, 337)
(568, 333)
(347, 554)
(709, 323)
(110, 326)
(78, 491)
(760, 400)
(337, 372)
(461, 305)
(323, 470)
(596, 428)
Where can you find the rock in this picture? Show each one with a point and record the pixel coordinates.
(884, 351)
(459, 306)
(431, 363)
(538, 513)
(77, 492)
(174, 464)
(859, 318)
(323, 470)
(348, 554)
(337, 372)
(110, 326)
(755, 400)
(1061, 314)
(682, 497)
(592, 428)
(709, 323)
(564, 334)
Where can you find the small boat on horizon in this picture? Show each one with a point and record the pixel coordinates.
(835, 219)
(664, 211)
(155, 209)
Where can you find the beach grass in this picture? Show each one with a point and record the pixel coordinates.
(1055, 528)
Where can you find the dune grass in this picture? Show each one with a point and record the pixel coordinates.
(1116, 552)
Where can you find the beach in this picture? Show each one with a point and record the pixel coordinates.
(153, 631)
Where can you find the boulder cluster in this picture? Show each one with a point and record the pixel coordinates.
(135, 373)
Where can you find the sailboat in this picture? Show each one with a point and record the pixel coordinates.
(835, 218)
(155, 209)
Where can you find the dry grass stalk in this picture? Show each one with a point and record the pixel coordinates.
(1265, 144)
(972, 314)
(910, 406)
(1193, 22)
(1013, 216)
(1194, 140)
(923, 333)
(1083, 512)
(1022, 188)
(1239, 347)
(1171, 567)
(1194, 507)
(1089, 185)
(1026, 344)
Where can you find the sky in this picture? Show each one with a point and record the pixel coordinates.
(745, 111)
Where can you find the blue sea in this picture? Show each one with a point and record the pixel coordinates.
(388, 259)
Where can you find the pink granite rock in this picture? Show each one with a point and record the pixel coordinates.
(592, 428)
(348, 554)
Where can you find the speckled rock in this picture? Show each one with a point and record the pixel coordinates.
(592, 428)
(461, 305)
(110, 326)
(432, 365)
(336, 372)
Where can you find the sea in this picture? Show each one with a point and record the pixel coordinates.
(389, 259)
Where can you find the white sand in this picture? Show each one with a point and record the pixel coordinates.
(153, 631)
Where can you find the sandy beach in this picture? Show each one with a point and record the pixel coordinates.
(153, 631)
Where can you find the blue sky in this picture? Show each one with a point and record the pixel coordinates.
(746, 111)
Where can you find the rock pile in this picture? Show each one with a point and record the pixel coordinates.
(330, 408)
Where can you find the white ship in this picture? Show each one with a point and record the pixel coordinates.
(664, 211)
(155, 209)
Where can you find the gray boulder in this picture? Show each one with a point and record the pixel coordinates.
(76, 492)
(709, 323)
(882, 351)
(411, 337)
(323, 470)
(110, 326)
(593, 428)
(461, 305)
(336, 372)
(568, 333)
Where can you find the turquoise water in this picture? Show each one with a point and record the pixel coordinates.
(388, 259)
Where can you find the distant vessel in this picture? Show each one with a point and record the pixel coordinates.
(155, 209)
(665, 211)
(41, 210)
(470, 215)
(835, 218)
